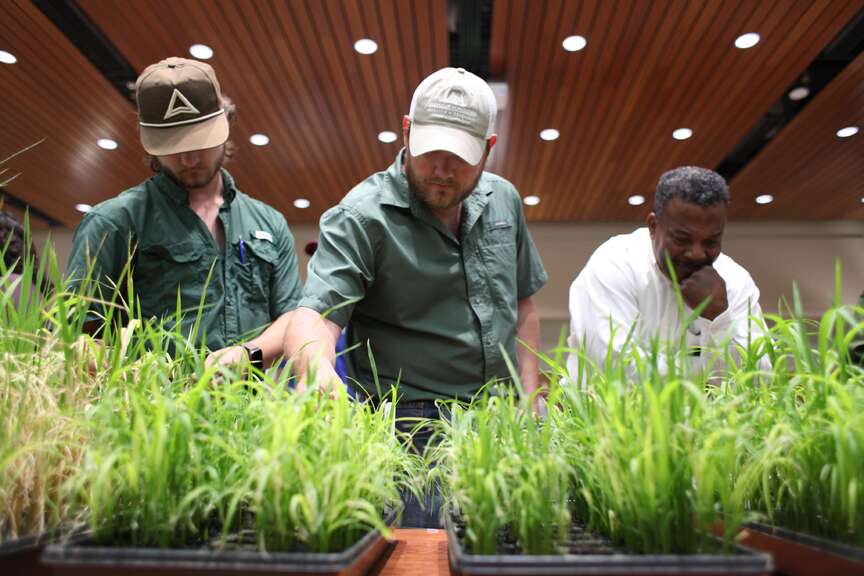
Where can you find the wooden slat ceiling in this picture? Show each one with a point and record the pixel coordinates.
(649, 68)
(53, 92)
(810, 172)
(292, 71)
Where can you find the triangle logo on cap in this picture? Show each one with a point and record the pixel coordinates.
(181, 107)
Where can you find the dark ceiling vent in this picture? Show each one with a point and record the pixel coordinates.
(827, 65)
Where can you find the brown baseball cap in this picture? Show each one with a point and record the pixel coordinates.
(180, 107)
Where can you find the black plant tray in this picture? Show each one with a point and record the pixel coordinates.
(21, 556)
(599, 559)
(797, 554)
(77, 558)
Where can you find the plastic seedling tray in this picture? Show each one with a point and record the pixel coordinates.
(77, 558)
(589, 554)
(797, 554)
(21, 556)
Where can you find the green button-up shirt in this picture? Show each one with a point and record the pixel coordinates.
(434, 307)
(254, 278)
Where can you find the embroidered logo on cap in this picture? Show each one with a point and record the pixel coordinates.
(174, 108)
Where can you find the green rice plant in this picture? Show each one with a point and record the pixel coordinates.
(502, 468)
(810, 468)
(326, 470)
(44, 383)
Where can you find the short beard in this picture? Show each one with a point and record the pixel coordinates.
(191, 181)
(431, 199)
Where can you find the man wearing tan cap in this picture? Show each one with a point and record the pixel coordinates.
(429, 262)
(189, 229)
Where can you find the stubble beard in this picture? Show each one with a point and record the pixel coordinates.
(438, 199)
(198, 177)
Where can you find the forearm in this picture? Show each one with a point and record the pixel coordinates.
(271, 340)
(310, 344)
(528, 332)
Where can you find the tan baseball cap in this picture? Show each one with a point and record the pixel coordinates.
(452, 110)
(180, 107)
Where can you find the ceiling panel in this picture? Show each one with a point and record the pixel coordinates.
(53, 92)
(807, 168)
(649, 68)
(292, 71)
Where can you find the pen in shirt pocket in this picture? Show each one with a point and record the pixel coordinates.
(242, 247)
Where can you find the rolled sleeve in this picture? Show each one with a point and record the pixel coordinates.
(100, 243)
(342, 269)
(530, 273)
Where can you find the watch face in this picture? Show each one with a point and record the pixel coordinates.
(256, 356)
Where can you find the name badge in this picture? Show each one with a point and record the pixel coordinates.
(262, 235)
(500, 224)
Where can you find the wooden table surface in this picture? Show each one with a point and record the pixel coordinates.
(418, 552)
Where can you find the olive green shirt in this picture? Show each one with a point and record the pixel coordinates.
(434, 307)
(172, 250)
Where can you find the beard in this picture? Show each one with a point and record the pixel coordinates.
(437, 193)
(198, 176)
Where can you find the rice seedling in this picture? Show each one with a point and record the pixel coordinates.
(810, 466)
(42, 387)
(501, 468)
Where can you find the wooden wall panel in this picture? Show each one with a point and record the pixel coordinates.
(292, 71)
(812, 173)
(649, 68)
(53, 92)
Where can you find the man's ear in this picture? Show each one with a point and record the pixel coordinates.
(406, 129)
(651, 222)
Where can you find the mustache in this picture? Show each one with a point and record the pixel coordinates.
(439, 182)
(690, 266)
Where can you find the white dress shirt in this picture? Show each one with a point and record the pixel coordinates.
(622, 281)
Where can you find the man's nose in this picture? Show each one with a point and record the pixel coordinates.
(189, 159)
(696, 253)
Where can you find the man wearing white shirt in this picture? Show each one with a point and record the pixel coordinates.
(626, 282)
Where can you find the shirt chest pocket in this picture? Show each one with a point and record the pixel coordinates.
(497, 250)
(257, 260)
(163, 269)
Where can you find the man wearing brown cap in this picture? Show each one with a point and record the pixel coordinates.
(429, 262)
(188, 230)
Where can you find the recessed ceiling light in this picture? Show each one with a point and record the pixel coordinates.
(83, 207)
(531, 200)
(387, 136)
(549, 134)
(682, 133)
(799, 93)
(847, 131)
(107, 143)
(747, 40)
(259, 139)
(7, 57)
(302, 203)
(636, 200)
(366, 46)
(764, 199)
(201, 51)
(574, 43)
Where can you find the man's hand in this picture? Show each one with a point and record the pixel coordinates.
(702, 284)
(227, 356)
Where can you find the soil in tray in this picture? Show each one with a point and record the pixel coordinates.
(578, 541)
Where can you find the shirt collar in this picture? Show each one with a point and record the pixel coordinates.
(168, 186)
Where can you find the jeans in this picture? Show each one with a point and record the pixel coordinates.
(415, 515)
